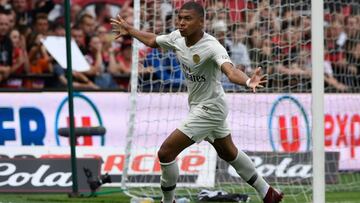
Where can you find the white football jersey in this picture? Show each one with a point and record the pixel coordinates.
(200, 64)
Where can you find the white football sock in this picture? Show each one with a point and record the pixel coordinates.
(246, 169)
(169, 176)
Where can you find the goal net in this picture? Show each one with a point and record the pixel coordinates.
(274, 125)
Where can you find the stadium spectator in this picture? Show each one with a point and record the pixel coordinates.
(290, 45)
(12, 18)
(41, 24)
(75, 12)
(121, 62)
(305, 27)
(240, 54)
(335, 39)
(164, 66)
(235, 51)
(265, 19)
(289, 17)
(79, 37)
(58, 30)
(302, 69)
(166, 70)
(105, 39)
(337, 35)
(25, 15)
(94, 57)
(6, 48)
(98, 71)
(165, 9)
(352, 32)
(4, 2)
(87, 24)
(262, 55)
(158, 26)
(118, 66)
(152, 10)
(123, 59)
(39, 61)
(80, 81)
(169, 23)
(268, 62)
(331, 81)
(128, 11)
(103, 15)
(353, 58)
(255, 43)
(20, 59)
(219, 28)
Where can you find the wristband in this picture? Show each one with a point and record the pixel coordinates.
(248, 82)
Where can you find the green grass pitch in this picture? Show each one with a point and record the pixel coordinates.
(346, 191)
(331, 197)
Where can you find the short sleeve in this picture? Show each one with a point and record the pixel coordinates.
(220, 55)
(167, 41)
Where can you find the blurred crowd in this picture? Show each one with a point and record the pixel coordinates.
(273, 34)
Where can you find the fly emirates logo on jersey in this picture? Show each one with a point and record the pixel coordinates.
(191, 76)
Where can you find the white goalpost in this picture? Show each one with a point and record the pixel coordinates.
(133, 96)
(317, 53)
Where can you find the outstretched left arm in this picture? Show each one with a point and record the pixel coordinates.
(239, 77)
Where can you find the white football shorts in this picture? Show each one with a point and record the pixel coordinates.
(205, 122)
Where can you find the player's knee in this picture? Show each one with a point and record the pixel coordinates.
(165, 155)
(227, 155)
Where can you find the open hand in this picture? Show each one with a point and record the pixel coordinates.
(257, 80)
(120, 26)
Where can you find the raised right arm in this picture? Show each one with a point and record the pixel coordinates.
(121, 27)
(149, 39)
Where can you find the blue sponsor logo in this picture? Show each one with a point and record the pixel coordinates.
(32, 125)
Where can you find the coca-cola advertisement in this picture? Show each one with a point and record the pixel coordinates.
(45, 175)
(294, 168)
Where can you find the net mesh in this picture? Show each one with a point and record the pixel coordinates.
(274, 125)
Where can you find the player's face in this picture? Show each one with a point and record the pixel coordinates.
(189, 22)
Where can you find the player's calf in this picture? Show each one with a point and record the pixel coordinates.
(169, 176)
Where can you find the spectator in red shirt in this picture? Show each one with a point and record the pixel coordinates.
(105, 39)
(123, 59)
(20, 59)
